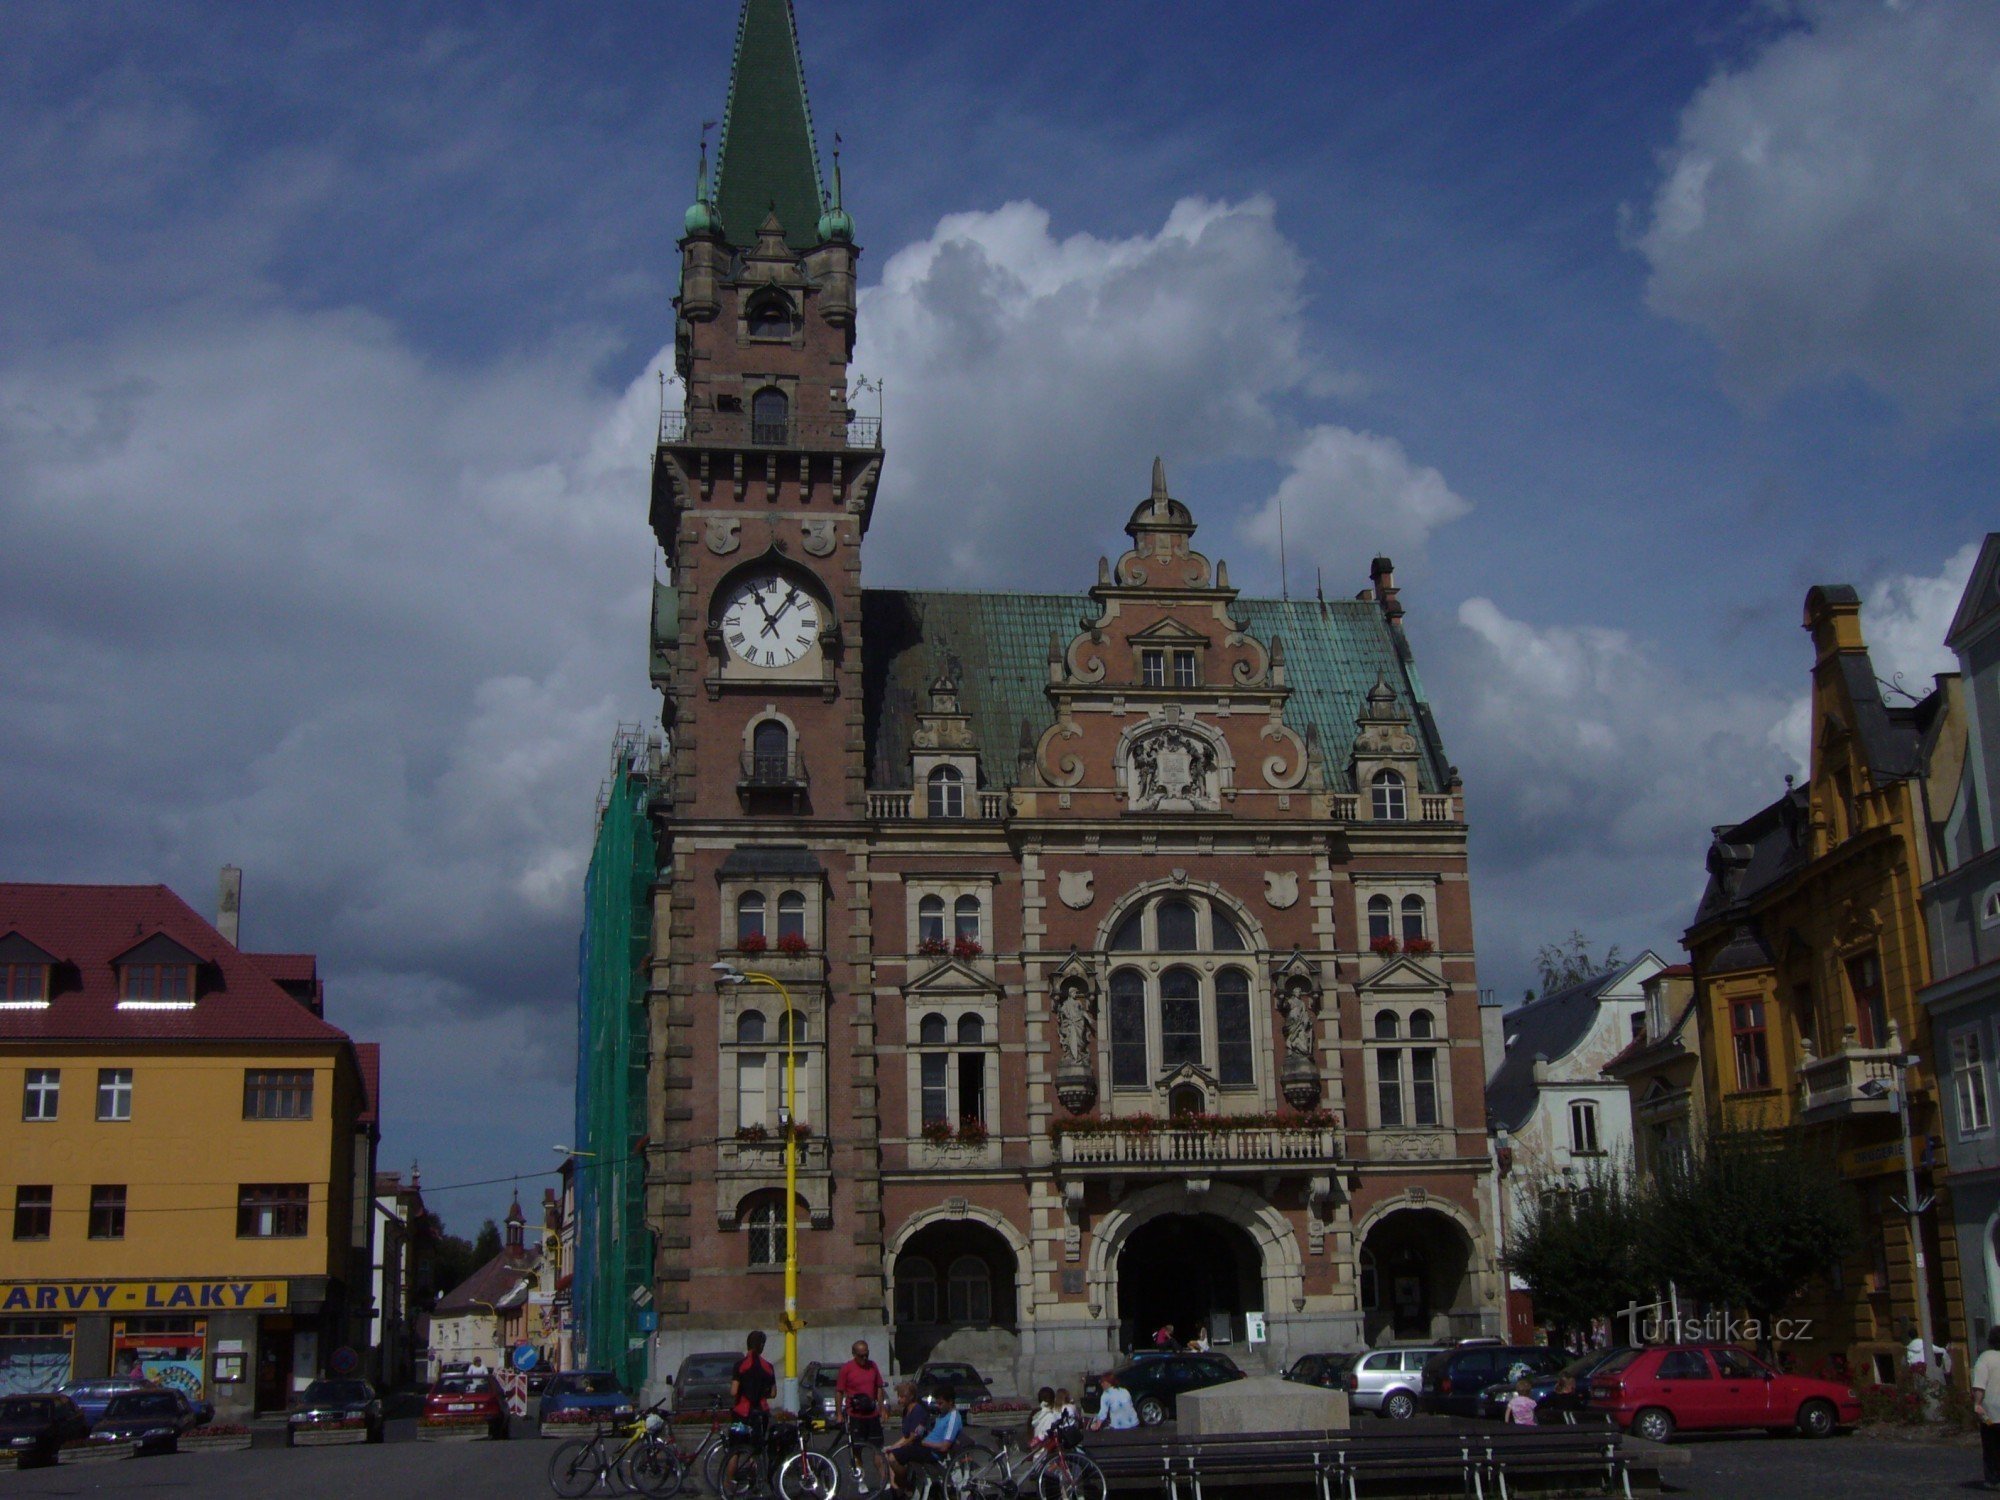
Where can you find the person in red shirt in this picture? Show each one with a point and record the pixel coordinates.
(859, 1388)
(751, 1385)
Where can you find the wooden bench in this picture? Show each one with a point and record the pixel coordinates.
(1400, 1456)
(1583, 1449)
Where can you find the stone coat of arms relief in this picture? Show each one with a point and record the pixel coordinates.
(1173, 770)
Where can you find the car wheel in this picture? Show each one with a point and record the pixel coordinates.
(1655, 1424)
(1817, 1419)
(1399, 1406)
(1152, 1411)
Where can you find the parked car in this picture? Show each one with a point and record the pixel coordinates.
(1388, 1381)
(1543, 1386)
(1653, 1393)
(458, 1397)
(816, 1394)
(967, 1384)
(92, 1396)
(1455, 1380)
(1156, 1384)
(325, 1403)
(1326, 1370)
(588, 1395)
(703, 1381)
(151, 1421)
(34, 1427)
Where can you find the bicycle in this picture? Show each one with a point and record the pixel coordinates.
(858, 1457)
(582, 1466)
(801, 1474)
(1062, 1471)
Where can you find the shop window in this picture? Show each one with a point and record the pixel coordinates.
(277, 1094)
(114, 1093)
(42, 1094)
(107, 1212)
(34, 1212)
(271, 1211)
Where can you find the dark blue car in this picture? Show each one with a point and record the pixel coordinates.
(582, 1397)
(94, 1395)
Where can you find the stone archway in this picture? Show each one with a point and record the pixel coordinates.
(1422, 1280)
(1191, 1273)
(956, 1291)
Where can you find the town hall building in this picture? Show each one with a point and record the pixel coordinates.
(1124, 933)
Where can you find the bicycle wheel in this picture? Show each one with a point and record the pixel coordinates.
(747, 1479)
(968, 1460)
(653, 1468)
(574, 1468)
(808, 1476)
(1072, 1477)
(863, 1469)
(714, 1454)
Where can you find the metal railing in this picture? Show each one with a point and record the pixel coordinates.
(1171, 1147)
(860, 434)
(786, 770)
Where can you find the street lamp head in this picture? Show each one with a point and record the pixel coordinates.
(727, 973)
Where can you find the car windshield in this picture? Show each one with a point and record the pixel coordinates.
(335, 1390)
(591, 1383)
(951, 1372)
(464, 1385)
(26, 1408)
(141, 1404)
(1336, 1364)
(708, 1367)
(1617, 1362)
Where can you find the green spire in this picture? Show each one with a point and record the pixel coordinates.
(767, 160)
(700, 217)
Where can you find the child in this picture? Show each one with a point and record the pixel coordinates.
(1521, 1405)
(1044, 1422)
(1066, 1411)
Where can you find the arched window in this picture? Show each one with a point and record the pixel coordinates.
(1185, 1099)
(965, 919)
(749, 915)
(1389, 1084)
(770, 750)
(932, 1031)
(1388, 796)
(1128, 938)
(1128, 1029)
(930, 920)
(969, 1291)
(770, 416)
(1380, 916)
(1180, 1018)
(1423, 1082)
(946, 793)
(1420, 1024)
(793, 1027)
(916, 1290)
(1175, 924)
(750, 1027)
(764, 1219)
(770, 317)
(1234, 1052)
(1228, 937)
(1387, 1027)
(971, 1031)
(1413, 918)
(791, 915)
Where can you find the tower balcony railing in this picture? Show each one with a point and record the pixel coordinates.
(1170, 1149)
(899, 806)
(1431, 807)
(857, 434)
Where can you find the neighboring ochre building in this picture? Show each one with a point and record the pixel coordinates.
(1127, 931)
(1809, 950)
(190, 1161)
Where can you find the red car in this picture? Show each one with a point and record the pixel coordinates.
(1705, 1387)
(462, 1399)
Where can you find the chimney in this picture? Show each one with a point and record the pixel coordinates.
(1383, 572)
(229, 903)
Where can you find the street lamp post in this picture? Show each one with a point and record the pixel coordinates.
(1913, 1207)
(788, 1389)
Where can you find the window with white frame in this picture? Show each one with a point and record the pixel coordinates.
(946, 793)
(1408, 1090)
(954, 1070)
(1184, 669)
(1387, 796)
(1152, 668)
(792, 916)
(42, 1094)
(114, 1093)
(1381, 919)
(1968, 1078)
(753, 1091)
(749, 915)
(1388, 1069)
(1583, 1128)
(1416, 926)
(930, 921)
(965, 919)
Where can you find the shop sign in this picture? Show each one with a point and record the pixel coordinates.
(1872, 1161)
(143, 1296)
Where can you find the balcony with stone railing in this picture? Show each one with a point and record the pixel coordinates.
(1856, 1080)
(1432, 807)
(900, 807)
(1197, 1149)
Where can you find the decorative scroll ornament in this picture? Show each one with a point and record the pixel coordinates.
(725, 535)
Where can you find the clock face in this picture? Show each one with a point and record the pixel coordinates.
(769, 621)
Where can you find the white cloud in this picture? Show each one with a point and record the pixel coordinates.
(1348, 497)
(1832, 208)
(1030, 379)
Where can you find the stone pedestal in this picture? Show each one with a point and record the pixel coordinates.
(1261, 1403)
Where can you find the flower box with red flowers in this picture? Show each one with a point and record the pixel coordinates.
(792, 943)
(1383, 945)
(752, 942)
(966, 948)
(1417, 945)
(933, 947)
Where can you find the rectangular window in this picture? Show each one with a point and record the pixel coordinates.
(42, 1094)
(1871, 1013)
(1184, 669)
(107, 1213)
(752, 1092)
(1152, 669)
(1583, 1128)
(155, 982)
(277, 1095)
(24, 982)
(114, 1093)
(972, 1086)
(1753, 1060)
(271, 1211)
(1389, 1085)
(1423, 1085)
(1128, 1031)
(934, 1072)
(34, 1209)
(1180, 1030)
(1968, 1076)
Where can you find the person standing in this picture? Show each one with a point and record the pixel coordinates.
(1114, 1406)
(1986, 1406)
(751, 1385)
(858, 1390)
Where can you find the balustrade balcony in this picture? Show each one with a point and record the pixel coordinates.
(1170, 1148)
(1853, 1081)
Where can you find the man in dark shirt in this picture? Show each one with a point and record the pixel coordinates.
(916, 1423)
(751, 1385)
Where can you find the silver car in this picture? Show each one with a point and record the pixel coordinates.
(1387, 1381)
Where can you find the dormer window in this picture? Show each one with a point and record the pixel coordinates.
(946, 793)
(1152, 668)
(24, 986)
(1184, 669)
(165, 983)
(1389, 805)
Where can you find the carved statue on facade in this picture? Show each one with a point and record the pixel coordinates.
(1076, 1023)
(1299, 1005)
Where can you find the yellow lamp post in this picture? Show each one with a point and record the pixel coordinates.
(788, 1394)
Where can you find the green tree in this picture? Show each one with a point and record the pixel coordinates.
(1748, 1218)
(457, 1257)
(1579, 1247)
(1565, 963)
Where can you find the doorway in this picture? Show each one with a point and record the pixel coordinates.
(1188, 1272)
(274, 1364)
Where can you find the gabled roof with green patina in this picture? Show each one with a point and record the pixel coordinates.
(767, 158)
(1334, 650)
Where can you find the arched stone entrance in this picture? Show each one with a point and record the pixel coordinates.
(1416, 1277)
(1189, 1272)
(952, 1279)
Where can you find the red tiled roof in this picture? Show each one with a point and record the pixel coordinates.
(287, 968)
(369, 1056)
(501, 1283)
(1676, 971)
(86, 926)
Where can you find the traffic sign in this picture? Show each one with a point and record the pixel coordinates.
(526, 1356)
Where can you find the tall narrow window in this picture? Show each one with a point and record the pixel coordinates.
(969, 1291)
(965, 919)
(1389, 1085)
(770, 751)
(947, 793)
(1583, 1128)
(792, 916)
(1388, 796)
(934, 1077)
(1380, 916)
(107, 1212)
(114, 1093)
(1753, 1059)
(770, 416)
(42, 1094)
(1128, 1029)
(1968, 1077)
(930, 920)
(1152, 668)
(1423, 1084)
(34, 1210)
(749, 915)
(1413, 919)
(1234, 1053)
(916, 1291)
(1184, 669)
(972, 1087)
(1871, 1011)
(1180, 1018)
(753, 1086)
(1176, 926)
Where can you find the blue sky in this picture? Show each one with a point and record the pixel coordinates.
(327, 352)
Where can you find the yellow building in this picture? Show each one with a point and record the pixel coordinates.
(1808, 952)
(190, 1161)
